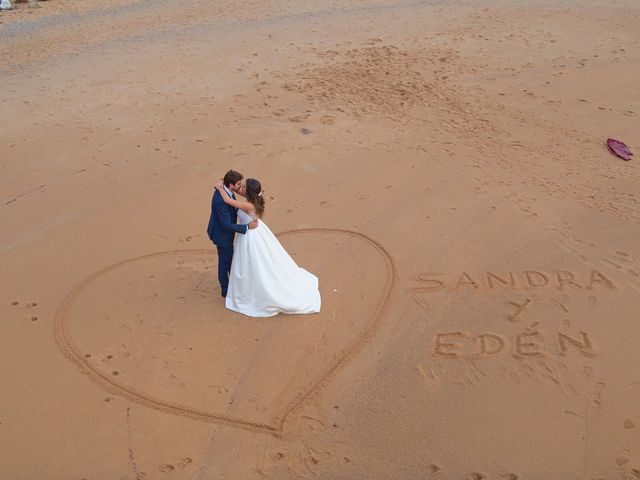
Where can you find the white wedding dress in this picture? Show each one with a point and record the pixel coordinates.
(264, 279)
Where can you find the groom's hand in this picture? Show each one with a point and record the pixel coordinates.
(253, 224)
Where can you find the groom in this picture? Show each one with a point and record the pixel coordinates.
(222, 226)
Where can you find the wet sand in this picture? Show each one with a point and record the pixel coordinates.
(440, 166)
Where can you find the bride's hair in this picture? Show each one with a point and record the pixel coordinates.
(254, 195)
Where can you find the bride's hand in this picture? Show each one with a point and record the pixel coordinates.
(219, 185)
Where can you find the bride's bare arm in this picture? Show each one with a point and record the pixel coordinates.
(245, 206)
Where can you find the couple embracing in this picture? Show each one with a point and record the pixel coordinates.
(257, 276)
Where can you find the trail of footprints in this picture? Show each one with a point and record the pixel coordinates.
(170, 467)
(28, 307)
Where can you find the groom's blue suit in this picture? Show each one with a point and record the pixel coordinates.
(221, 230)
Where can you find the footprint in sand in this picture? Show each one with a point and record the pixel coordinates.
(624, 256)
(623, 458)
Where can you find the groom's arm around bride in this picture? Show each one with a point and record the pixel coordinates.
(222, 223)
(223, 227)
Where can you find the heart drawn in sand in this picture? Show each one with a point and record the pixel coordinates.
(154, 329)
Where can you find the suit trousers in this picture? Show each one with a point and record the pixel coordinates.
(225, 256)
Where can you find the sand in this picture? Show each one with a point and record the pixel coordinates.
(440, 165)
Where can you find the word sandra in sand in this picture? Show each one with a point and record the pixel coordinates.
(529, 279)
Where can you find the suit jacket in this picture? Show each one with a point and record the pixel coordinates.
(222, 222)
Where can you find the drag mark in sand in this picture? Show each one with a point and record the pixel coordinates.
(132, 460)
(70, 350)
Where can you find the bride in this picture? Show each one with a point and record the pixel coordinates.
(264, 279)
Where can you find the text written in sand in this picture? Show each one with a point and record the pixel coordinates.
(528, 279)
(530, 343)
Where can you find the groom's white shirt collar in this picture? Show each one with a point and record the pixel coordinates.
(228, 191)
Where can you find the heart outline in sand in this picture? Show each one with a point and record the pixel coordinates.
(66, 345)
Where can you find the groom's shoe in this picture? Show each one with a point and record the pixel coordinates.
(224, 292)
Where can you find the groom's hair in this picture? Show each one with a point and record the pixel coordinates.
(231, 177)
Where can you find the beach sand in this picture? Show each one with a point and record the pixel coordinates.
(441, 166)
